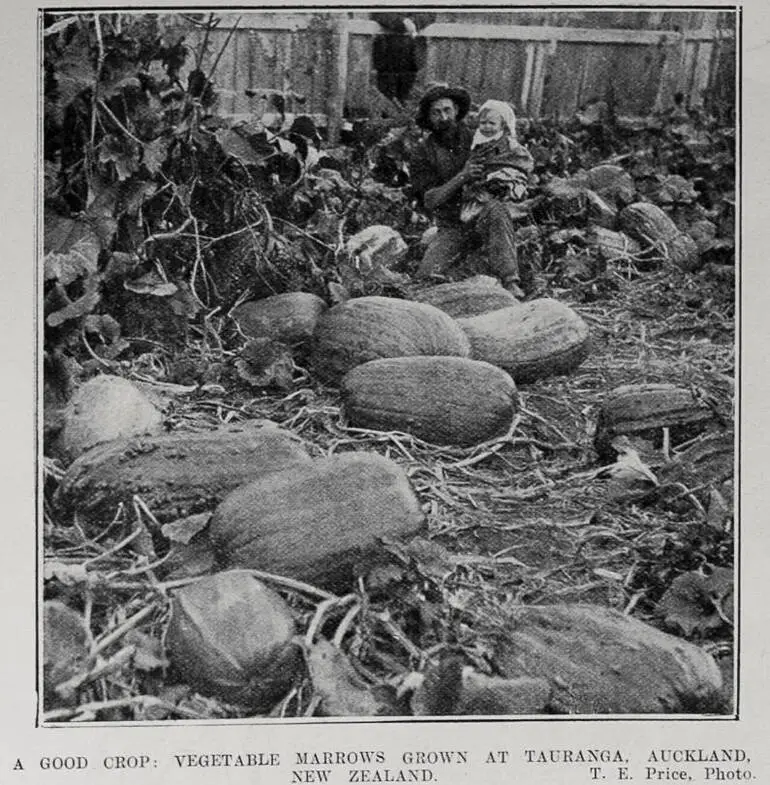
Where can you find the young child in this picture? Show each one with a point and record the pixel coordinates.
(506, 163)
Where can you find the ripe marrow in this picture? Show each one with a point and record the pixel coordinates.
(530, 341)
(443, 400)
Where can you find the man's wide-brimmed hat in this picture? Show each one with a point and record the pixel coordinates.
(437, 91)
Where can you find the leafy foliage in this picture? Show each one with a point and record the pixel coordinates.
(698, 603)
(147, 190)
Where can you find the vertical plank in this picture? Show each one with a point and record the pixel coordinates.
(688, 66)
(502, 85)
(513, 81)
(586, 85)
(477, 65)
(701, 70)
(455, 61)
(558, 84)
(315, 88)
(438, 56)
(431, 63)
(471, 75)
(302, 66)
(316, 41)
(635, 75)
(279, 63)
(335, 107)
(324, 75)
(274, 78)
(251, 101)
(723, 85)
(289, 77)
(466, 57)
(487, 76)
(285, 77)
(224, 76)
(262, 47)
(239, 44)
(497, 74)
(673, 52)
(539, 73)
(324, 71)
(526, 84)
(359, 72)
(700, 78)
(295, 70)
(457, 71)
(714, 63)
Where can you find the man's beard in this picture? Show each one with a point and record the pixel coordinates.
(442, 126)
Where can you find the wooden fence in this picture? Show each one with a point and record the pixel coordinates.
(544, 63)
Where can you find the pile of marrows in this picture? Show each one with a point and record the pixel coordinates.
(251, 511)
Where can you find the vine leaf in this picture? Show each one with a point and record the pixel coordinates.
(67, 574)
(51, 179)
(122, 153)
(148, 653)
(155, 154)
(342, 692)
(183, 530)
(76, 72)
(234, 145)
(135, 193)
(62, 234)
(67, 647)
(120, 265)
(183, 302)
(100, 215)
(126, 77)
(72, 249)
(151, 283)
(103, 325)
(80, 307)
(264, 362)
(697, 603)
(80, 260)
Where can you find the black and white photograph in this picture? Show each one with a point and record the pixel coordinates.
(384, 393)
(387, 365)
